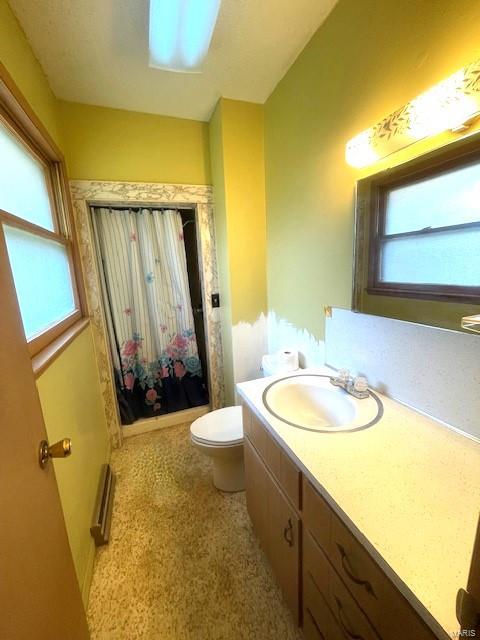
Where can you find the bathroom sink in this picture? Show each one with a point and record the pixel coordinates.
(312, 403)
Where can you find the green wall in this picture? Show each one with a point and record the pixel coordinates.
(112, 144)
(366, 60)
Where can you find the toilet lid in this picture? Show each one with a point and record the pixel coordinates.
(223, 426)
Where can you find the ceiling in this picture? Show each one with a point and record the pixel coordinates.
(96, 52)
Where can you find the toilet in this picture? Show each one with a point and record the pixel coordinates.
(219, 435)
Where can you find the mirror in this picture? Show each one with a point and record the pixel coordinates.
(417, 238)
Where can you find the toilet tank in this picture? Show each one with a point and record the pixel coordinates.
(283, 361)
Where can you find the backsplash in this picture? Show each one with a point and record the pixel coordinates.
(436, 371)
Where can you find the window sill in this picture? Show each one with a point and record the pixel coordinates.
(47, 355)
(443, 295)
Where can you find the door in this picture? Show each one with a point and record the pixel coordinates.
(276, 525)
(283, 542)
(39, 594)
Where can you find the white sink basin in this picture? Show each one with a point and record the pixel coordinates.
(312, 403)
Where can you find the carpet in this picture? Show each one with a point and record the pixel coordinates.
(182, 561)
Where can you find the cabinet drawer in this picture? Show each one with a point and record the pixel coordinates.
(361, 575)
(315, 565)
(318, 621)
(284, 470)
(320, 579)
(255, 431)
(350, 618)
(317, 515)
(384, 605)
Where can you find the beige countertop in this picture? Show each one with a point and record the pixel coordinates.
(409, 485)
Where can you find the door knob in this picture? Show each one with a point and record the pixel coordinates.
(61, 449)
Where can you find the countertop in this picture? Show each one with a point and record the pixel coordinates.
(409, 485)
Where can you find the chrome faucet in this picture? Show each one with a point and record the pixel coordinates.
(356, 387)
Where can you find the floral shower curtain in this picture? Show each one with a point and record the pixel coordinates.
(148, 311)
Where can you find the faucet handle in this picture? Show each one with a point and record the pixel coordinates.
(343, 375)
(360, 384)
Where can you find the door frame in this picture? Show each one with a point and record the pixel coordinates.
(199, 198)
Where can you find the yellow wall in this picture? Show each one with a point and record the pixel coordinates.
(244, 165)
(69, 389)
(221, 238)
(238, 172)
(366, 60)
(73, 407)
(17, 56)
(111, 144)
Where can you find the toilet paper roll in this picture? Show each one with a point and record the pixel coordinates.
(288, 358)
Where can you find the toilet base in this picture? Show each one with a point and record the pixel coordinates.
(229, 474)
(228, 468)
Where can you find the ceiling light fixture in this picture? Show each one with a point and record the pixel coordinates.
(180, 32)
(472, 323)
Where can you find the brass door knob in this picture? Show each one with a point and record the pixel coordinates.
(61, 449)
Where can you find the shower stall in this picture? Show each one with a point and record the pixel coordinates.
(150, 285)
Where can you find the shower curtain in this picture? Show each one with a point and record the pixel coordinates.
(148, 311)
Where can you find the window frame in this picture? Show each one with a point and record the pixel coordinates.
(18, 117)
(404, 175)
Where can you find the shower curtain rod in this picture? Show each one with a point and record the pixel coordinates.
(137, 207)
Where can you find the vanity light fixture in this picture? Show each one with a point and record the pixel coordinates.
(180, 32)
(452, 104)
(472, 323)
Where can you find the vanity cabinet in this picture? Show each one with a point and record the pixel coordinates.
(332, 585)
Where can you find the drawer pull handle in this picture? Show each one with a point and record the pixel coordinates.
(345, 629)
(348, 570)
(314, 622)
(288, 533)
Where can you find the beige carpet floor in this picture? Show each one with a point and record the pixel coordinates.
(182, 562)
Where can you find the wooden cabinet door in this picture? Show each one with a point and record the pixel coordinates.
(284, 546)
(256, 491)
(276, 525)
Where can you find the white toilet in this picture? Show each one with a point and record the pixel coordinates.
(219, 434)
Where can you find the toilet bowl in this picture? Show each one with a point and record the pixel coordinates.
(219, 435)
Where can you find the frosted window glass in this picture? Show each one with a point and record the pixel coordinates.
(23, 185)
(447, 199)
(445, 257)
(41, 272)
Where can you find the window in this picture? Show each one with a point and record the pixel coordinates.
(35, 227)
(425, 233)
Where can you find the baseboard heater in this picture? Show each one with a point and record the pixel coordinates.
(102, 517)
